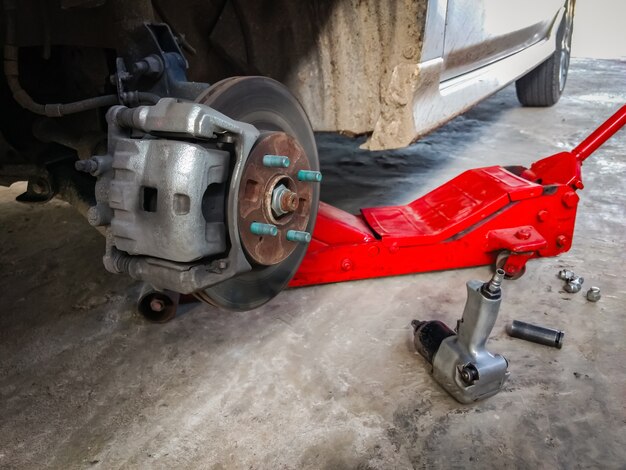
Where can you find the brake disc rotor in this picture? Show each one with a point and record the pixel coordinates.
(285, 128)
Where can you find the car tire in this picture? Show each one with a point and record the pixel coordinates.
(544, 85)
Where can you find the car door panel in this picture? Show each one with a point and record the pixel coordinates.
(479, 32)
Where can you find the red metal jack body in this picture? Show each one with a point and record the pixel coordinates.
(522, 213)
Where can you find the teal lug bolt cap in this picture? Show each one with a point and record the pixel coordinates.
(276, 161)
(258, 228)
(298, 237)
(310, 176)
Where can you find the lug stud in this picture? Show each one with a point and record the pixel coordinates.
(299, 237)
(276, 161)
(310, 176)
(258, 228)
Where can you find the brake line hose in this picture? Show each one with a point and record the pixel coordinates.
(11, 72)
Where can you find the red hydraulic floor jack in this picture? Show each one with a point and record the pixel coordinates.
(493, 215)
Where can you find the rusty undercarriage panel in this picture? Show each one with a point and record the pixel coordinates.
(339, 57)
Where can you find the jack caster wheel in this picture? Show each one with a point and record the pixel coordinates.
(501, 260)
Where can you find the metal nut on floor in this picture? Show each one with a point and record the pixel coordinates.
(566, 274)
(574, 285)
(593, 294)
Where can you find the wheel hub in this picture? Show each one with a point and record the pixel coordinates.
(283, 201)
(271, 195)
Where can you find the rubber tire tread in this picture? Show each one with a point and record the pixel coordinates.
(540, 87)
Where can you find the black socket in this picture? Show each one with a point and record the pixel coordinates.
(428, 336)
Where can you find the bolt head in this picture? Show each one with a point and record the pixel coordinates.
(561, 241)
(284, 200)
(157, 305)
(346, 265)
(523, 234)
(543, 216)
(289, 201)
(570, 199)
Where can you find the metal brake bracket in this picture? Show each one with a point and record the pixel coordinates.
(175, 119)
(468, 221)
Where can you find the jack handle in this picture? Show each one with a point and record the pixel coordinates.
(600, 135)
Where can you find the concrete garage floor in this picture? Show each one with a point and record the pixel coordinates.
(326, 377)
